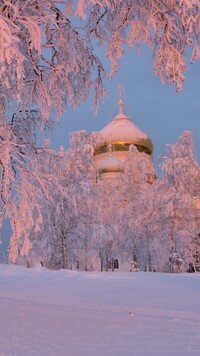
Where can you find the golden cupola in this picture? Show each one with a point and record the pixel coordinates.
(110, 166)
(121, 132)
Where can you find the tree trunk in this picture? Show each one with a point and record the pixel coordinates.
(64, 250)
(101, 261)
(134, 257)
(86, 260)
(150, 263)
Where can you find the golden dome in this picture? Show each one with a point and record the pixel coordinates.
(121, 132)
(110, 164)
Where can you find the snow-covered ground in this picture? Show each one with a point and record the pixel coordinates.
(98, 314)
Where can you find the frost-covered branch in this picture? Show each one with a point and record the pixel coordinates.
(47, 48)
(23, 181)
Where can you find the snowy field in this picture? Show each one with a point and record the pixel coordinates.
(98, 314)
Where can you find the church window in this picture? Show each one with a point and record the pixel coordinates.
(113, 264)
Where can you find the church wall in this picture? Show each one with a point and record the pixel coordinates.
(124, 266)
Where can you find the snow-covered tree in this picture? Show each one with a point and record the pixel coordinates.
(22, 181)
(176, 263)
(110, 207)
(67, 211)
(175, 213)
(138, 179)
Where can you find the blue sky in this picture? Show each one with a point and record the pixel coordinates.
(156, 108)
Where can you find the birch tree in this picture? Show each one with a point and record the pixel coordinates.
(23, 182)
(138, 180)
(176, 188)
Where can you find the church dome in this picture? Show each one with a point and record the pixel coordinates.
(121, 132)
(110, 165)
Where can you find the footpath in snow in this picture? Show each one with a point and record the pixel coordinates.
(98, 314)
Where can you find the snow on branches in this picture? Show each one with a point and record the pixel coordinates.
(167, 27)
(45, 62)
(47, 48)
(23, 182)
(179, 165)
(175, 191)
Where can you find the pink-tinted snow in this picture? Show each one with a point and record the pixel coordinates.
(98, 314)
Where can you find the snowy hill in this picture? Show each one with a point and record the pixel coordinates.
(98, 314)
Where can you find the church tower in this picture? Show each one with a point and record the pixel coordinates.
(113, 144)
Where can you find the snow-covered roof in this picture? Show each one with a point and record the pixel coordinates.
(122, 130)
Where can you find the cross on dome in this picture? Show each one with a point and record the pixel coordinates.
(120, 114)
(120, 102)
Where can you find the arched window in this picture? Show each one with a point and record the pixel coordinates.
(113, 264)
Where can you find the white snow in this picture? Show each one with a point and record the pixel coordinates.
(98, 314)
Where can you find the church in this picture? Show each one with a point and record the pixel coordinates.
(110, 153)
